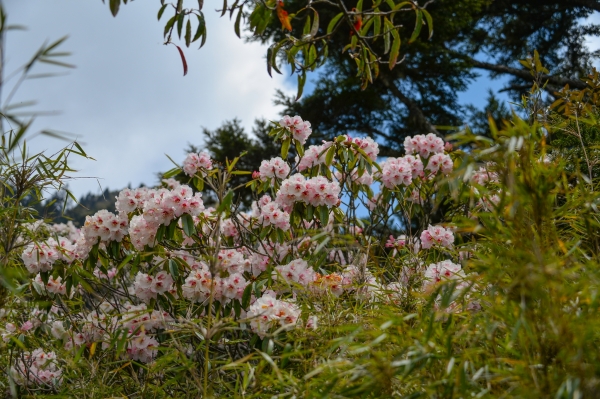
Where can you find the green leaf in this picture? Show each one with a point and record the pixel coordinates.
(173, 269)
(315, 25)
(376, 24)
(246, 296)
(388, 28)
(333, 22)
(285, 146)
(114, 7)
(188, 225)
(429, 22)
(226, 202)
(161, 11)
(180, 19)
(188, 33)
(395, 50)
(301, 82)
(169, 25)
(418, 25)
(329, 156)
(201, 28)
(238, 20)
(323, 215)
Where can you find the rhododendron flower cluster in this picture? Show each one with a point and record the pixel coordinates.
(315, 191)
(269, 212)
(445, 270)
(268, 312)
(106, 225)
(396, 172)
(195, 163)
(425, 145)
(274, 168)
(441, 162)
(297, 271)
(437, 235)
(483, 175)
(36, 368)
(313, 156)
(146, 287)
(53, 286)
(367, 144)
(299, 129)
(200, 283)
(142, 347)
(40, 257)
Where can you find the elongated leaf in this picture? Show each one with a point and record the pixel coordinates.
(395, 50)
(161, 11)
(301, 82)
(315, 24)
(201, 28)
(418, 25)
(188, 224)
(180, 19)
(333, 22)
(285, 146)
(429, 22)
(226, 202)
(238, 20)
(183, 61)
(114, 7)
(188, 33)
(388, 27)
(169, 25)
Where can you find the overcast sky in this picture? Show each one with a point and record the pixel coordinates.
(127, 100)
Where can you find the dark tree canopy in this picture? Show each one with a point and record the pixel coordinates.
(470, 37)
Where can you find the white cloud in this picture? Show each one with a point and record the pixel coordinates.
(127, 99)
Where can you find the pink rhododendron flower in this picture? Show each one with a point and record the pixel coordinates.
(437, 235)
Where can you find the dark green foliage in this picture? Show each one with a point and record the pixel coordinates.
(422, 91)
(89, 204)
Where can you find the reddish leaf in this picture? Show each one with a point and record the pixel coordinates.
(182, 59)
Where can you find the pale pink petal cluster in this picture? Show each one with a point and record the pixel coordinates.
(313, 156)
(269, 212)
(483, 175)
(425, 145)
(36, 368)
(54, 286)
(195, 163)
(297, 271)
(105, 225)
(39, 257)
(396, 172)
(268, 312)
(441, 162)
(398, 242)
(299, 129)
(437, 235)
(129, 200)
(142, 347)
(199, 284)
(315, 191)
(274, 168)
(368, 145)
(445, 270)
(146, 287)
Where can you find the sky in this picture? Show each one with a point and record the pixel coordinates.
(127, 101)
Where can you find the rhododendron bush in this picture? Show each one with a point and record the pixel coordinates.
(436, 273)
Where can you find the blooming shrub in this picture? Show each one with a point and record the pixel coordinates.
(170, 293)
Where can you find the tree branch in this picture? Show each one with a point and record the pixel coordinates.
(524, 74)
(422, 123)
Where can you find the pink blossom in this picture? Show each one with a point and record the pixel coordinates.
(437, 235)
